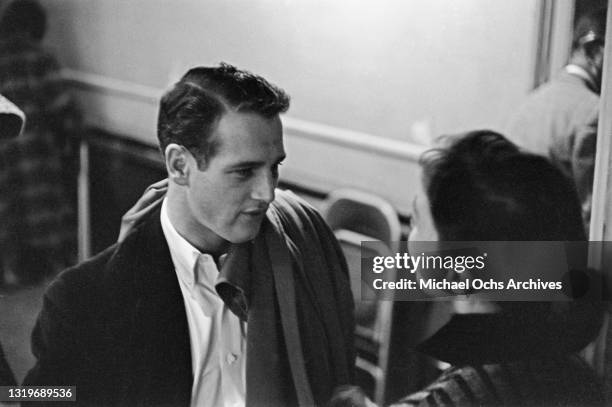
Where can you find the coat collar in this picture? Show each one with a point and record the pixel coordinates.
(499, 338)
(572, 76)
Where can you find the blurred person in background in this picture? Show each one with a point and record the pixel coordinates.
(38, 185)
(11, 124)
(559, 119)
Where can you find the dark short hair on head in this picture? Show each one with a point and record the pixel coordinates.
(590, 28)
(23, 18)
(189, 111)
(483, 187)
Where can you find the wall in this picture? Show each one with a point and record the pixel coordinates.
(370, 71)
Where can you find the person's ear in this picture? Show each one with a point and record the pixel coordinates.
(177, 163)
(593, 50)
(598, 57)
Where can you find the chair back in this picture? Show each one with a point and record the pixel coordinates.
(357, 216)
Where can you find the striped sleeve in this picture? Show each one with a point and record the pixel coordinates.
(465, 386)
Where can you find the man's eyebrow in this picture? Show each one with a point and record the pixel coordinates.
(255, 163)
(247, 164)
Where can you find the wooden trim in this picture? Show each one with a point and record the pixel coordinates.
(83, 205)
(544, 42)
(144, 153)
(105, 84)
(601, 211)
(562, 32)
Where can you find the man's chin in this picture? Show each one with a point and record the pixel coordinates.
(246, 235)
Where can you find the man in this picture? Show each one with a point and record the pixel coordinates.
(559, 119)
(231, 293)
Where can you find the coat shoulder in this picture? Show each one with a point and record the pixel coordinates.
(76, 288)
(291, 209)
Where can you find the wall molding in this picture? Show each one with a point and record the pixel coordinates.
(99, 83)
(343, 137)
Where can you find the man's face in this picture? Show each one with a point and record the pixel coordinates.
(229, 198)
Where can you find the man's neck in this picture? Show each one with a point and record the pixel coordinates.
(198, 235)
(579, 62)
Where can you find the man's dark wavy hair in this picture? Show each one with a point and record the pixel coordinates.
(190, 110)
(483, 187)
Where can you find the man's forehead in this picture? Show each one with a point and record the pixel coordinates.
(248, 136)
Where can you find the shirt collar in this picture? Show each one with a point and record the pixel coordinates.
(184, 254)
(235, 266)
(582, 74)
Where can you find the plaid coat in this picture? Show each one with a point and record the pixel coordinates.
(38, 168)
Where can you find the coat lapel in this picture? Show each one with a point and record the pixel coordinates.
(158, 367)
(284, 282)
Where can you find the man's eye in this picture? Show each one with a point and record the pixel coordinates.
(243, 172)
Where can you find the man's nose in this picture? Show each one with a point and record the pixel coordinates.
(264, 187)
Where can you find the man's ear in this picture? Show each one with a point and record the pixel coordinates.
(178, 163)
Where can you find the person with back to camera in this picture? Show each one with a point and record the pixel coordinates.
(559, 119)
(229, 293)
(481, 187)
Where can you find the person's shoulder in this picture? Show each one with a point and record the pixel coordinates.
(102, 281)
(573, 92)
(562, 90)
(75, 288)
(20, 49)
(115, 264)
(291, 208)
(288, 199)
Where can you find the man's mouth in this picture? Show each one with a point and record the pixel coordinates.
(255, 212)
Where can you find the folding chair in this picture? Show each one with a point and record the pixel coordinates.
(357, 216)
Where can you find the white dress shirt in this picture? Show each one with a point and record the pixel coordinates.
(218, 337)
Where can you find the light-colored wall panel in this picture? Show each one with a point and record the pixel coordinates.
(378, 67)
(323, 163)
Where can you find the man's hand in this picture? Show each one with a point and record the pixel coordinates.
(152, 197)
